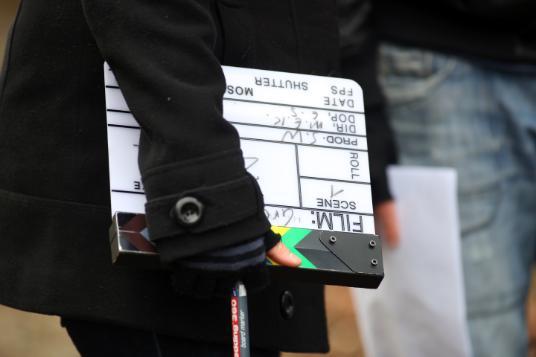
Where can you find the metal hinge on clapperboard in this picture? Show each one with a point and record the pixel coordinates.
(312, 128)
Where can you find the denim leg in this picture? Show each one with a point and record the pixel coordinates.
(449, 112)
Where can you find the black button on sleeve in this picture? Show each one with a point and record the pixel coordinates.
(188, 211)
(202, 205)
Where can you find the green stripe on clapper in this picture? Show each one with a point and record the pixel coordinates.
(292, 238)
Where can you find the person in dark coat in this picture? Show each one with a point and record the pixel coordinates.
(54, 189)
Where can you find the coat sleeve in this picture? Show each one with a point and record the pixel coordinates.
(199, 195)
(359, 57)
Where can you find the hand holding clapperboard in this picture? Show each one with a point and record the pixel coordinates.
(304, 140)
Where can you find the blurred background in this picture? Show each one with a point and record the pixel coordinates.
(24, 334)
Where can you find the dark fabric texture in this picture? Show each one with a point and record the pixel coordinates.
(211, 284)
(97, 340)
(54, 190)
(271, 239)
(501, 30)
(215, 273)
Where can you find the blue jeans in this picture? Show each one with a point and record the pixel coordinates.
(479, 118)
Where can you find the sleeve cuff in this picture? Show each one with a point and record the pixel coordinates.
(190, 209)
(271, 239)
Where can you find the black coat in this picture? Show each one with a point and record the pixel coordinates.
(54, 191)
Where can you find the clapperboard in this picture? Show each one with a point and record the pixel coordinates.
(304, 140)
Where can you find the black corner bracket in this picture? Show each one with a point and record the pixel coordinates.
(361, 253)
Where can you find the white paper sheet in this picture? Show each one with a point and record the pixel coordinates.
(419, 309)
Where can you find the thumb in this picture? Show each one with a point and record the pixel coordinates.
(281, 255)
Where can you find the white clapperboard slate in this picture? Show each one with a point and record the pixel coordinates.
(304, 140)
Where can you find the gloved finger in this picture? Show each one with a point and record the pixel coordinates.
(271, 239)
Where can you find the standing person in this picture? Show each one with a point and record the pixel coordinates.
(460, 78)
(54, 190)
